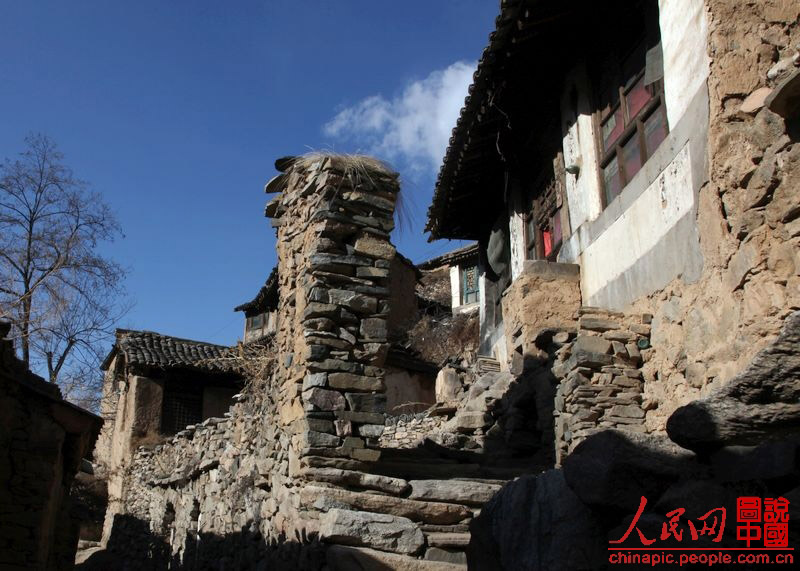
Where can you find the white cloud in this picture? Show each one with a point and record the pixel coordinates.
(414, 127)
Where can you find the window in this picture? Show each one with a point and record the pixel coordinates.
(255, 322)
(469, 285)
(182, 406)
(543, 236)
(631, 115)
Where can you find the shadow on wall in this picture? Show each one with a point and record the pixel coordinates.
(134, 547)
(644, 490)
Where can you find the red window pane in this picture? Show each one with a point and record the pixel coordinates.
(547, 242)
(612, 180)
(612, 128)
(637, 98)
(655, 130)
(631, 157)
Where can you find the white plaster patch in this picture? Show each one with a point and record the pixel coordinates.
(583, 190)
(640, 227)
(455, 287)
(684, 40)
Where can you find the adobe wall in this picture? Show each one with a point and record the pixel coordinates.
(748, 216)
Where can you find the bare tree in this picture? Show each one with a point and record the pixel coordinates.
(61, 294)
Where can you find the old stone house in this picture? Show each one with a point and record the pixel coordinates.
(638, 254)
(600, 167)
(260, 312)
(154, 387)
(461, 266)
(653, 151)
(43, 440)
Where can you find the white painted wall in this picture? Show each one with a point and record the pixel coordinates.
(640, 227)
(583, 191)
(516, 233)
(684, 42)
(455, 287)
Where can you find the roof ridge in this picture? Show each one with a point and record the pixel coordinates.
(183, 339)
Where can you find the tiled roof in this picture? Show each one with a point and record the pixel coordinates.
(150, 349)
(475, 139)
(265, 300)
(450, 258)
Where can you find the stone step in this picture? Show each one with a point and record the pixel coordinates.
(456, 540)
(344, 558)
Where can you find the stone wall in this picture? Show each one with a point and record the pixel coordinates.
(601, 381)
(748, 215)
(301, 463)
(42, 442)
(545, 296)
(409, 430)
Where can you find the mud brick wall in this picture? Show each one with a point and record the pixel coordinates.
(601, 381)
(748, 217)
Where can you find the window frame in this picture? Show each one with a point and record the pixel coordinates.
(464, 291)
(633, 127)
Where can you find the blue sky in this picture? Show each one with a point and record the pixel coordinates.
(176, 110)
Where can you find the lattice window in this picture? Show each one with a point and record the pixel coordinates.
(182, 406)
(469, 285)
(631, 113)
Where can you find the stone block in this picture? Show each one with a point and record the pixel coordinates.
(363, 402)
(380, 531)
(363, 272)
(321, 425)
(371, 430)
(336, 365)
(357, 479)
(316, 310)
(591, 344)
(356, 302)
(360, 417)
(468, 421)
(331, 262)
(350, 382)
(457, 491)
(314, 439)
(448, 385)
(343, 427)
(453, 556)
(372, 246)
(365, 454)
(588, 359)
(627, 411)
(426, 512)
(312, 380)
(324, 399)
(374, 329)
(597, 324)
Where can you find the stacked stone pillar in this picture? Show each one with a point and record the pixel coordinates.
(333, 217)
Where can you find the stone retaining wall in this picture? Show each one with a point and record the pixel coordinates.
(601, 381)
(408, 431)
(303, 460)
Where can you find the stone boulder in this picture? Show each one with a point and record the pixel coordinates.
(536, 522)
(615, 469)
(763, 401)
